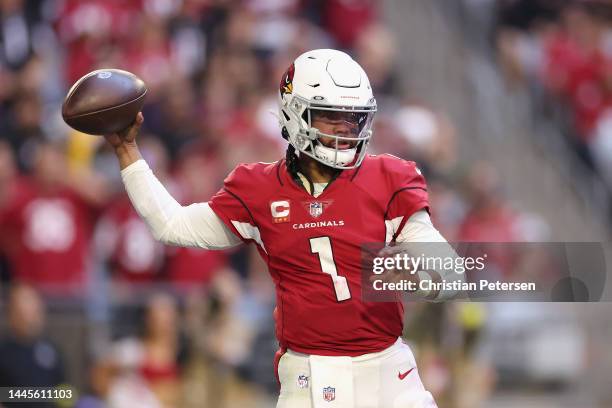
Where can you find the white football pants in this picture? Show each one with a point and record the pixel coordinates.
(387, 379)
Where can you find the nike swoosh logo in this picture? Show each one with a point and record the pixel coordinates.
(402, 376)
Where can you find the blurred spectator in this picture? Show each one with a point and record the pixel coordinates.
(87, 28)
(161, 350)
(429, 138)
(127, 387)
(8, 173)
(148, 370)
(27, 358)
(273, 24)
(173, 116)
(522, 26)
(346, 19)
(133, 254)
(524, 14)
(18, 24)
(489, 219)
(149, 53)
(101, 377)
(188, 41)
(49, 217)
(24, 131)
(230, 334)
(376, 51)
(449, 207)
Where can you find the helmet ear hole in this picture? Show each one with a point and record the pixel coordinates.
(285, 133)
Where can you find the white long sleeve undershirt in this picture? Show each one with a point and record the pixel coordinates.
(197, 225)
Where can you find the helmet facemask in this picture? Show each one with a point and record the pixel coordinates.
(352, 125)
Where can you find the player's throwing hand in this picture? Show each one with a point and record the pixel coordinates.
(124, 143)
(128, 135)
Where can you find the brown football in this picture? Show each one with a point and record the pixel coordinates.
(104, 101)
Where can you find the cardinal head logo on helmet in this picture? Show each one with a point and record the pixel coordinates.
(286, 85)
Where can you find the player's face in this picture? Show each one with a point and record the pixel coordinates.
(345, 124)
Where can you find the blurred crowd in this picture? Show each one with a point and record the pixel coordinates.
(563, 51)
(171, 327)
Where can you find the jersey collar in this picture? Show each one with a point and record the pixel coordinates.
(285, 176)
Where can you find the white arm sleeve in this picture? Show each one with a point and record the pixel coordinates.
(195, 225)
(419, 228)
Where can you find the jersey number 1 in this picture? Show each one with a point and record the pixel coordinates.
(322, 247)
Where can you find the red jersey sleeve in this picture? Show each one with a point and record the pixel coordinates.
(408, 190)
(230, 205)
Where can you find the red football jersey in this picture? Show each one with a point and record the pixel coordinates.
(313, 247)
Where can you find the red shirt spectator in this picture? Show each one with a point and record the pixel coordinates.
(580, 75)
(132, 251)
(346, 19)
(47, 223)
(87, 28)
(494, 224)
(50, 234)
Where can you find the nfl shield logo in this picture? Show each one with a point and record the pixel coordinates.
(302, 381)
(329, 394)
(316, 209)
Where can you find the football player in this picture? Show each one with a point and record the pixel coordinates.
(308, 214)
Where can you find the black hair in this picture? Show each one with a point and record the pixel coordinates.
(292, 160)
(293, 166)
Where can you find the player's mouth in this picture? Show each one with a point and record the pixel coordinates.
(345, 145)
(341, 144)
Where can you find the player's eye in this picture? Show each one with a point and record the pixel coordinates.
(356, 118)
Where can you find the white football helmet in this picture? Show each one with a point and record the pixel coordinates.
(327, 84)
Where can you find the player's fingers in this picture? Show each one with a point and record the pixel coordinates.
(389, 251)
(135, 127)
(113, 139)
(131, 132)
